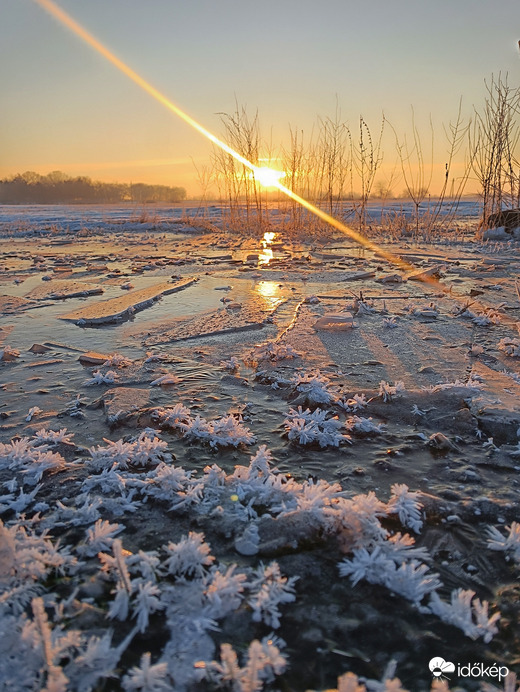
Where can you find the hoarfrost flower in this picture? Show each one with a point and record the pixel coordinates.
(363, 425)
(98, 659)
(99, 377)
(308, 426)
(264, 661)
(189, 557)
(410, 580)
(510, 346)
(390, 322)
(404, 503)
(165, 481)
(484, 319)
(229, 430)
(272, 351)
(358, 401)
(87, 513)
(100, 537)
(233, 364)
(143, 451)
(388, 391)
(53, 436)
(509, 543)
(369, 565)
(148, 677)
(171, 417)
(33, 411)
(467, 613)
(315, 386)
(223, 591)
(145, 602)
(269, 590)
(22, 455)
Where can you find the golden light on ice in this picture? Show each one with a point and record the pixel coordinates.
(265, 175)
(269, 290)
(266, 254)
(268, 177)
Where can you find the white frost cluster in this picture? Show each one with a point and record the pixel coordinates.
(466, 612)
(29, 457)
(315, 386)
(225, 431)
(99, 377)
(509, 543)
(116, 360)
(388, 391)
(363, 425)
(406, 505)
(146, 450)
(308, 427)
(510, 346)
(273, 352)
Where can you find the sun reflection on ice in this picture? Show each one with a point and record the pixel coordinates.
(266, 255)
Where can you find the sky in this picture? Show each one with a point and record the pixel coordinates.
(64, 107)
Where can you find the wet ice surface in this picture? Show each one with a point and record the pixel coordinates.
(457, 445)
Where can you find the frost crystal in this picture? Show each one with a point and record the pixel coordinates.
(99, 377)
(100, 537)
(388, 391)
(509, 543)
(307, 427)
(269, 590)
(272, 351)
(189, 557)
(315, 386)
(143, 451)
(225, 431)
(471, 616)
(148, 677)
(404, 503)
(510, 346)
(363, 425)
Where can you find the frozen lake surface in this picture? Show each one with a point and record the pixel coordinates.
(213, 422)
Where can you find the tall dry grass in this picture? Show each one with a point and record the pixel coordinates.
(340, 169)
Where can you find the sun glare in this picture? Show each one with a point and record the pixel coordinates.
(268, 177)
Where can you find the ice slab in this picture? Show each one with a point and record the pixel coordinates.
(122, 307)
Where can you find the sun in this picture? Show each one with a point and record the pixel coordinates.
(268, 177)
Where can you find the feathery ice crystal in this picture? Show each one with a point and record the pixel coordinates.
(307, 427)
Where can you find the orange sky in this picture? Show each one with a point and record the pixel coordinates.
(65, 108)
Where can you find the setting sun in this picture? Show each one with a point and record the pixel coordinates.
(268, 177)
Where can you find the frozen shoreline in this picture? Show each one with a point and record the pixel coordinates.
(454, 354)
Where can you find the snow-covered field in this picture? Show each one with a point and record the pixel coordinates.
(228, 464)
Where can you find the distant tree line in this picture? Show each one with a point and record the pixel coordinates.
(58, 188)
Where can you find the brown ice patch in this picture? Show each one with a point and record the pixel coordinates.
(10, 305)
(61, 289)
(123, 307)
(212, 323)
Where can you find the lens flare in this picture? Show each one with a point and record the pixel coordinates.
(265, 175)
(268, 177)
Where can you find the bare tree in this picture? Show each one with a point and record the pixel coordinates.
(494, 143)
